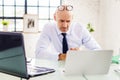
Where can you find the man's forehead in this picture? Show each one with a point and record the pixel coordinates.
(63, 13)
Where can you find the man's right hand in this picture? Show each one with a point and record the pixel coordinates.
(62, 56)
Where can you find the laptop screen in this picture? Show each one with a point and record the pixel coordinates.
(12, 53)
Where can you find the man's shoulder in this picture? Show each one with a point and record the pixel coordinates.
(77, 26)
(50, 24)
(49, 27)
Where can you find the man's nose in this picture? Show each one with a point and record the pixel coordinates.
(65, 24)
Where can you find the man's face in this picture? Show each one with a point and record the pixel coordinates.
(63, 19)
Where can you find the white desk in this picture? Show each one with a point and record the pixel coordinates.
(59, 74)
(112, 75)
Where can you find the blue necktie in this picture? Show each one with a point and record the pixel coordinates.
(64, 43)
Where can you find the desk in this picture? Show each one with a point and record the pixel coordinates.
(59, 74)
(112, 75)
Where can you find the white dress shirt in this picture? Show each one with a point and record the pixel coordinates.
(49, 44)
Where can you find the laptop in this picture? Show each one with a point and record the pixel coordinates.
(88, 62)
(13, 59)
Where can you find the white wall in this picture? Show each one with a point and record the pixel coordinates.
(30, 40)
(110, 23)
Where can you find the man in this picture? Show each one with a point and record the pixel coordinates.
(63, 35)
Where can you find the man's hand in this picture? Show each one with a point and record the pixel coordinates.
(74, 48)
(62, 56)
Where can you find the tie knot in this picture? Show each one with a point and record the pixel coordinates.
(64, 34)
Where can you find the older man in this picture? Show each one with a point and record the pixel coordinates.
(63, 35)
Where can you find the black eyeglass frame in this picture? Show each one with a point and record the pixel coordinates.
(62, 8)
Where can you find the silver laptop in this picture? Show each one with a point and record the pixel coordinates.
(88, 62)
(13, 59)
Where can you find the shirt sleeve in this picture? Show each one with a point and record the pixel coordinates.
(88, 41)
(43, 46)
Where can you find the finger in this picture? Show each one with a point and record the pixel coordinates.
(74, 48)
(71, 48)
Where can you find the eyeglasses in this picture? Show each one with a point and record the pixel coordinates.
(62, 8)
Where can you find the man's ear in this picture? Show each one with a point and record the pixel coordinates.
(55, 17)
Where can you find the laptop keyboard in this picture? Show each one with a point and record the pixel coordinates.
(38, 70)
